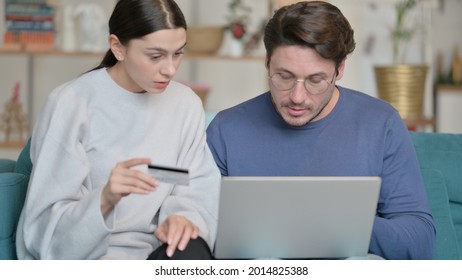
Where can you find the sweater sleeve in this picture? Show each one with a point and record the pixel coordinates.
(403, 227)
(217, 144)
(198, 202)
(61, 217)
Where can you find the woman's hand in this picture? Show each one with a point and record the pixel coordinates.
(176, 231)
(124, 181)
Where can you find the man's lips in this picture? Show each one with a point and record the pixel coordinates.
(293, 111)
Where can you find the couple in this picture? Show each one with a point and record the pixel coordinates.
(90, 197)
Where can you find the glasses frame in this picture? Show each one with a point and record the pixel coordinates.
(295, 81)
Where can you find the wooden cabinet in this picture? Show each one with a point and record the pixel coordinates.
(448, 108)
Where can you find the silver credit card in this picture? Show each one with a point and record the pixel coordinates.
(168, 174)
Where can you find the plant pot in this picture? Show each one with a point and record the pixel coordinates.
(204, 39)
(403, 86)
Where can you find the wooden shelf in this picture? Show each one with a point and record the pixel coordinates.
(12, 144)
(417, 124)
(48, 52)
(192, 56)
(188, 56)
(449, 88)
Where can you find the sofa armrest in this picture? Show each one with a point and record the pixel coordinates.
(440, 157)
(446, 246)
(13, 187)
(7, 165)
(24, 164)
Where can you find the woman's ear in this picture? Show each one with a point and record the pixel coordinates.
(116, 47)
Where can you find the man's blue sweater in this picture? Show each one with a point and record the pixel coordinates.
(362, 136)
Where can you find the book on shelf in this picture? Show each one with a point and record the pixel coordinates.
(29, 25)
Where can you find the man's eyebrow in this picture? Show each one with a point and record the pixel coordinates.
(317, 74)
(282, 69)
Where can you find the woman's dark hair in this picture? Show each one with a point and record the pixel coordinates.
(312, 24)
(132, 19)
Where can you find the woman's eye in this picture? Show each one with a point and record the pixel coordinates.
(179, 53)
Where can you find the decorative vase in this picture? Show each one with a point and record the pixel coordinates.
(403, 86)
(236, 47)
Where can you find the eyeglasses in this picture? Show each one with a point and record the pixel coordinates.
(314, 85)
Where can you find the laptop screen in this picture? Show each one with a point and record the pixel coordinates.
(296, 217)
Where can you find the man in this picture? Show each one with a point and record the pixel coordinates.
(308, 126)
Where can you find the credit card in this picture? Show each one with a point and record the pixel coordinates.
(168, 174)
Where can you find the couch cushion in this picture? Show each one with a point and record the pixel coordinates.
(8, 249)
(446, 246)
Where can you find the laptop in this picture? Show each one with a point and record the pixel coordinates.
(296, 217)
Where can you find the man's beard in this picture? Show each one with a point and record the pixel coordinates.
(295, 124)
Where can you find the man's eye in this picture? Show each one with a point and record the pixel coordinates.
(316, 80)
(286, 77)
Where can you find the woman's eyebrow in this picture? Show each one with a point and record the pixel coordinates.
(164, 50)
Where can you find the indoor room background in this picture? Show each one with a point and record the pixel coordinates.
(231, 80)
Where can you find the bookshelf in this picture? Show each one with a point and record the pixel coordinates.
(29, 25)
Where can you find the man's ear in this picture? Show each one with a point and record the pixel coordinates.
(341, 69)
(116, 47)
(267, 62)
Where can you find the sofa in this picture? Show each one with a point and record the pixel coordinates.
(440, 158)
(14, 178)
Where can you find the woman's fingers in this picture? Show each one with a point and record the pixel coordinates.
(176, 231)
(124, 181)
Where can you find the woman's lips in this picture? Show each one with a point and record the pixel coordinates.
(161, 84)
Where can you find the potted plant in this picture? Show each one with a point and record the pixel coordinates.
(403, 84)
(402, 32)
(238, 20)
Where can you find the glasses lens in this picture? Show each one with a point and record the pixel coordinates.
(282, 83)
(316, 87)
(313, 86)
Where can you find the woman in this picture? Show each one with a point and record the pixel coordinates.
(90, 196)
